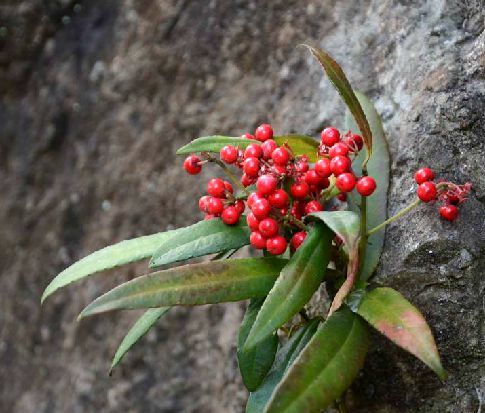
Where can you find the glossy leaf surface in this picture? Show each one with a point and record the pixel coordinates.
(214, 144)
(300, 145)
(345, 224)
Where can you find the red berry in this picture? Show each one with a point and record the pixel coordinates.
(424, 175)
(251, 167)
(264, 132)
(279, 169)
(268, 147)
(366, 185)
(299, 190)
(276, 245)
(215, 206)
(266, 184)
(330, 136)
(449, 212)
(312, 178)
(228, 187)
(301, 166)
(452, 199)
(204, 203)
(253, 151)
(313, 206)
(268, 227)
(252, 221)
(216, 187)
(342, 197)
(240, 206)
(208, 216)
(280, 156)
(247, 180)
(322, 168)
(345, 182)
(230, 216)
(296, 210)
(278, 199)
(253, 196)
(324, 183)
(248, 136)
(191, 165)
(257, 240)
(297, 239)
(340, 165)
(228, 154)
(283, 211)
(261, 208)
(339, 149)
(427, 191)
(354, 142)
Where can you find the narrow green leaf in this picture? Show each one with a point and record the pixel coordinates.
(390, 313)
(202, 238)
(137, 331)
(214, 144)
(286, 355)
(254, 363)
(325, 368)
(340, 82)
(300, 145)
(194, 284)
(345, 224)
(124, 252)
(296, 284)
(378, 167)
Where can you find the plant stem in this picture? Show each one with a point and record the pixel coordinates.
(402, 212)
(229, 174)
(363, 231)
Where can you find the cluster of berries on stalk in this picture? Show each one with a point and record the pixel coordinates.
(448, 193)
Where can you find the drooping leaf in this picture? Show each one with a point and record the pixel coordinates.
(214, 144)
(378, 167)
(254, 363)
(137, 331)
(296, 284)
(202, 238)
(340, 82)
(300, 145)
(124, 252)
(325, 368)
(193, 284)
(390, 313)
(286, 355)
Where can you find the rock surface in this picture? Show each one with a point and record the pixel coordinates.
(96, 97)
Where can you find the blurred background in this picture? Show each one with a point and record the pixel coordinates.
(95, 98)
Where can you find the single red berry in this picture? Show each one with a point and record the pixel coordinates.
(257, 240)
(253, 151)
(251, 167)
(268, 147)
(252, 221)
(266, 184)
(312, 206)
(324, 183)
(297, 239)
(228, 154)
(354, 142)
(261, 208)
(322, 167)
(366, 185)
(297, 210)
(228, 187)
(247, 180)
(424, 175)
(330, 136)
(283, 211)
(248, 136)
(340, 165)
(276, 245)
(191, 164)
(279, 169)
(216, 187)
(427, 191)
(215, 206)
(339, 149)
(452, 199)
(268, 227)
(342, 197)
(253, 196)
(240, 206)
(301, 166)
(208, 216)
(230, 216)
(264, 132)
(278, 199)
(449, 212)
(299, 190)
(204, 203)
(312, 178)
(345, 182)
(280, 156)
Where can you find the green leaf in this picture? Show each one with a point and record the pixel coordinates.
(286, 355)
(300, 145)
(194, 284)
(124, 252)
(137, 331)
(255, 363)
(340, 82)
(296, 284)
(345, 224)
(325, 368)
(390, 313)
(202, 238)
(214, 144)
(378, 167)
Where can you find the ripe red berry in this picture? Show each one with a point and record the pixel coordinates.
(251, 167)
(354, 142)
(299, 190)
(252, 221)
(313, 206)
(253, 151)
(449, 212)
(297, 210)
(268, 147)
(204, 203)
(208, 216)
(345, 182)
(247, 180)
(342, 197)
(322, 168)
(215, 206)
(297, 239)
(191, 165)
(312, 178)
(427, 191)
(248, 136)
(228, 154)
(261, 208)
(276, 245)
(266, 184)
(280, 156)
(283, 211)
(301, 166)
(278, 199)
(253, 196)
(240, 206)
(339, 149)
(264, 132)
(230, 216)
(268, 227)
(279, 169)
(424, 175)
(330, 136)
(340, 165)
(366, 185)
(228, 187)
(257, 240)
(216, 187)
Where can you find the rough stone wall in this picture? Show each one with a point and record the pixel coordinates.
(97, 95)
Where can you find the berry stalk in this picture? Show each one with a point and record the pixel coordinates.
(395, 217)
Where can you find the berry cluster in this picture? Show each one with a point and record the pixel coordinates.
(449, 194)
